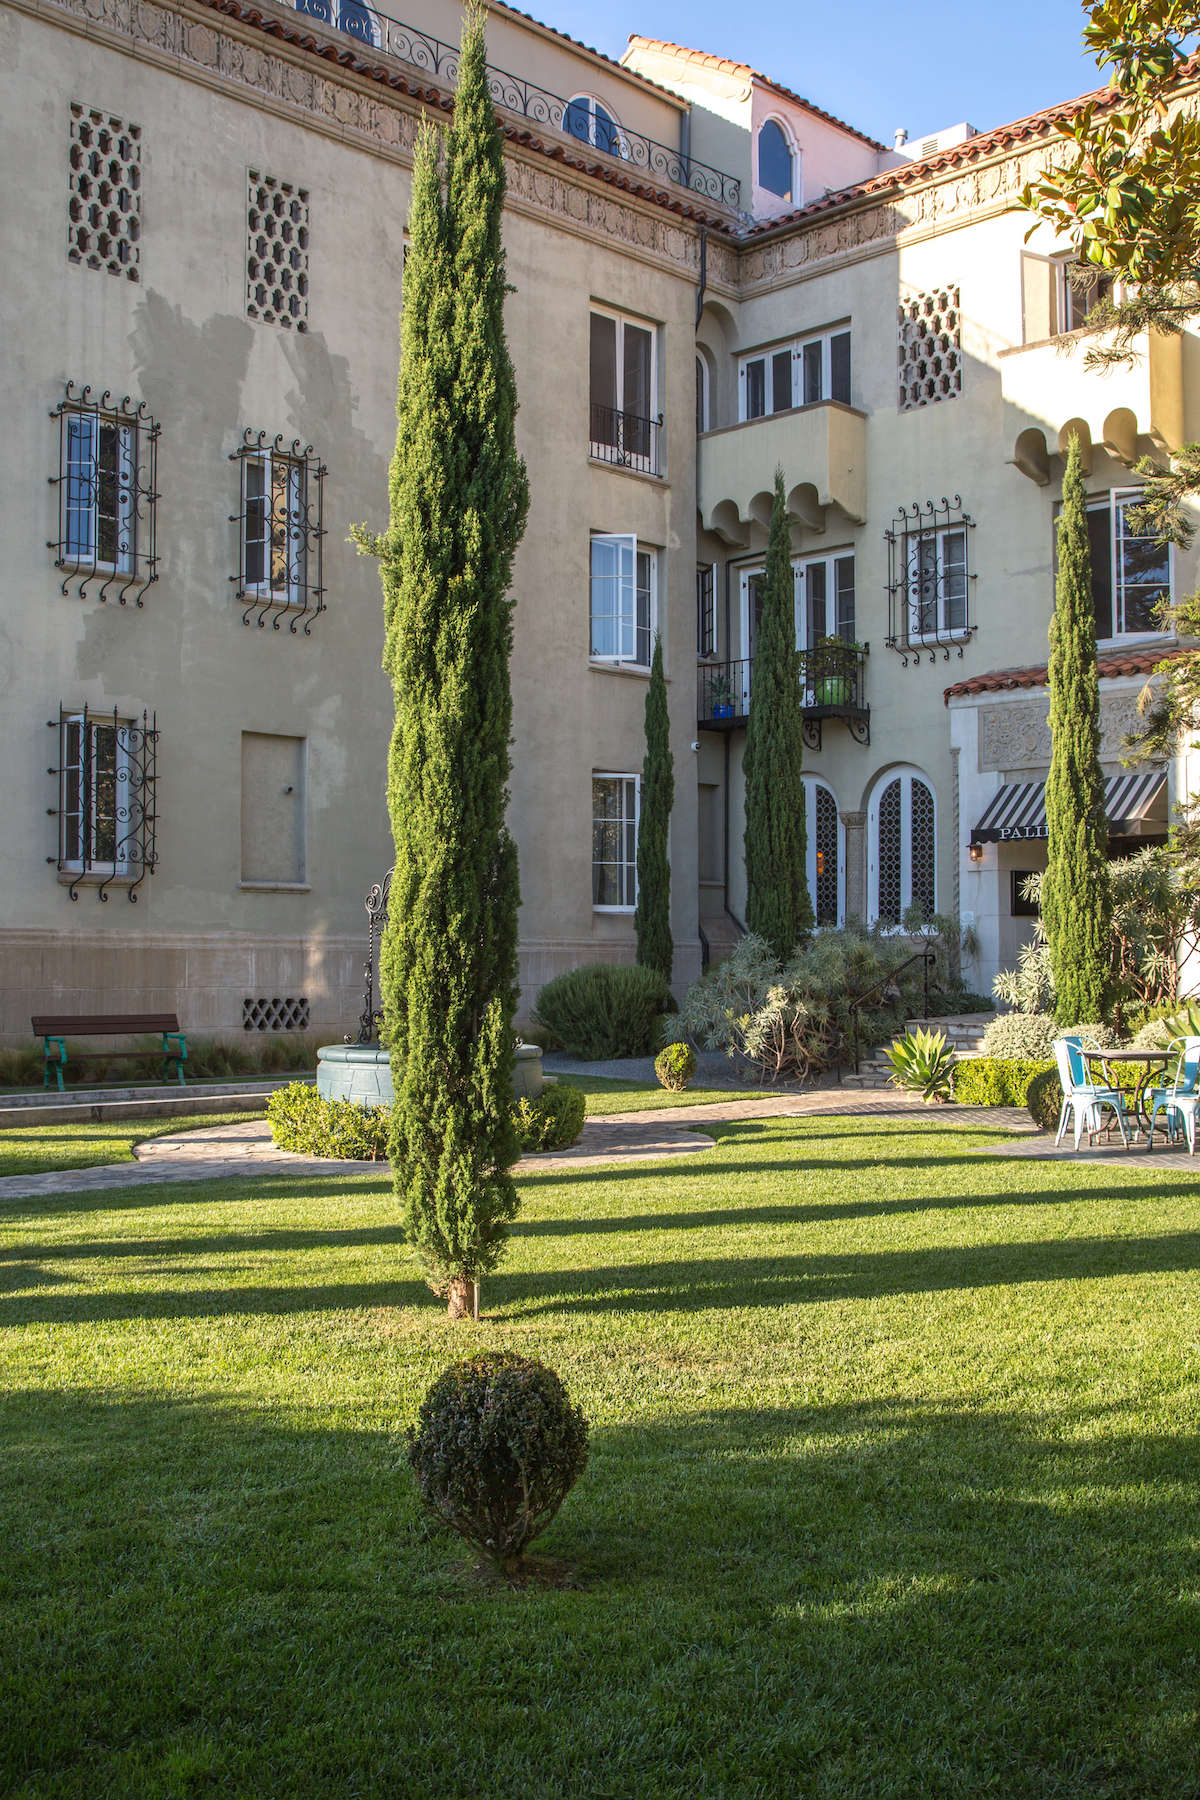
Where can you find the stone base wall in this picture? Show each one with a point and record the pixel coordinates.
(207, 978)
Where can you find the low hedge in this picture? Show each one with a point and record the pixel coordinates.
(605, 1010)
(996, 1080)
(301, 1120)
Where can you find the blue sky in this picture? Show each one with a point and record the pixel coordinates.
(877, 66)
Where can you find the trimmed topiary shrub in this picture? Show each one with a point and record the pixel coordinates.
(553, 1121)
(997, 1081)
(1030, 1036)
(675, 1067)
(605, 1010)
(1044, 1099)
(301, 1120)
(497, 1448)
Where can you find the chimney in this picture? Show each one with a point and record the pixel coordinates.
(901, 137)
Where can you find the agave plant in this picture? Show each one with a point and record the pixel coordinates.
(923, 1063)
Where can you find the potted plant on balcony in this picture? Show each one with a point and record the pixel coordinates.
(835, 671)
(720, 696)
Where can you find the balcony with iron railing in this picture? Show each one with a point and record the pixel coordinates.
(536, 105)
(625, 440)
(833, 685)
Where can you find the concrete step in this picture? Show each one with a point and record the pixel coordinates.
(722, 935)
(38, 1106)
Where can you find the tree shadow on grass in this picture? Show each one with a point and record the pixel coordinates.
(878, 1597)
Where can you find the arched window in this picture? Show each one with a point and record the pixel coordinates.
(592, 123)
(902, 847)
(826, 846)
(774, 160)
(702, 415)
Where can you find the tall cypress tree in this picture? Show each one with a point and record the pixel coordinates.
(448, 966)
(652, 918)
(778, 906)
(1076, 907)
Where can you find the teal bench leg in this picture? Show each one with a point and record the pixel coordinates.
(55, 1059)
(177, 1057)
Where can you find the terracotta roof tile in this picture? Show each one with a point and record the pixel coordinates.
(1109, 663)
(724, 65)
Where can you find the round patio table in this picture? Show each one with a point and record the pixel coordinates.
(1153, 1059)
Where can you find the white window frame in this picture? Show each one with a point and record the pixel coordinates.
(800, 567)
(1115, 502)
(1065, 295)
(811, 784)
(592, 105)
(292, 591)
(942, 631)
(630, 553)
(643, 464)
(796, 348)
(629, 867)
(71, 787)
(906, 774)
(80, 523)
(795, 194)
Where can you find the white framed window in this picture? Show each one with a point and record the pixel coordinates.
(622, 390)
(98, 494)
(937, 584)
(351, 16)
(589, 120)
(823, 597)
(99, 800)
(616, 801)
(802, 373)
(623, 599)
(826, 851)
(775, 165)
(1131, 573)
(901, 847)
(274, 529)
(1076, 299)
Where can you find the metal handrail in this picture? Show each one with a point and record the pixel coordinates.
(625, 438)
(420, 50)
(927, 956)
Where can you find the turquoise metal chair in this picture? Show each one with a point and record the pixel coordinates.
(1083, 1098)
(1180, 1101)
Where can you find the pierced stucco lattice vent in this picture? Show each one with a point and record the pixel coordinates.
(277, 252)
(275, 1014)
(930, 348)
(104, 208)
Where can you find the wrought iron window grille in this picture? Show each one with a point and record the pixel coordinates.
(930, 580)
(281, 532)
(420, 50)
(106, 804)
(626, 440)
(107, 485)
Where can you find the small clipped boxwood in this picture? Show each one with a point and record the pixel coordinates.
(1044, 1098)
(553, 1120)
(675, 1067)
(301, 1120)
(605, 1010)
(497, 1448)
(996, 1080)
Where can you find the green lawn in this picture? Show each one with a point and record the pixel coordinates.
(38, 1149)
(893, 1488)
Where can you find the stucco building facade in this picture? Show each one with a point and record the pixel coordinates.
(713, 277)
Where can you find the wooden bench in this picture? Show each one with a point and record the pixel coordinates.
(55, 1028)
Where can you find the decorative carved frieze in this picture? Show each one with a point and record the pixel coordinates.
(1015, 734)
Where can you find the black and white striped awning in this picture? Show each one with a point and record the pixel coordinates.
(1019, 810)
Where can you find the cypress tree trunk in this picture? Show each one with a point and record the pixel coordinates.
(448, 966)
(1076, 907)
(778, 906)
(652, 919)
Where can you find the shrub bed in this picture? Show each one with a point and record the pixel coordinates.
(605, 1010)
(1030, 1035)
(301, 1120)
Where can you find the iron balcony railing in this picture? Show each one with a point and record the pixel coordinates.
(516, 95)
(625, 439)
(833, 685)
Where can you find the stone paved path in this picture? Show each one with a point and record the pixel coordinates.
(245, 1149)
